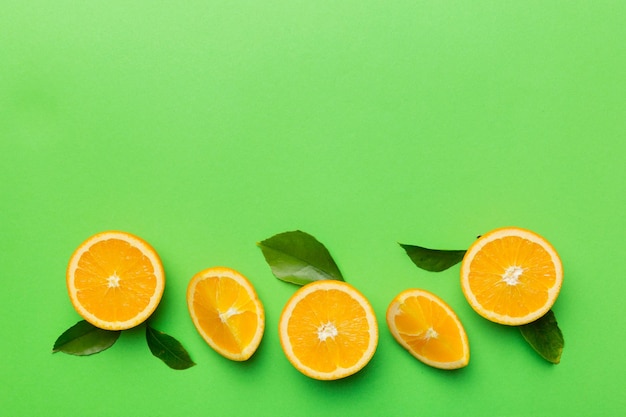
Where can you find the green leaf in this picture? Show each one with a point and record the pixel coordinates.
(168, 349)
(299, 258)
(545, 337)
(433, 260)
(84, 339)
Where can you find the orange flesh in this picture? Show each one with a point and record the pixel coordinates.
(429, 330)
(118, 259)
(530, 293)
(341, 350)
(226, 313)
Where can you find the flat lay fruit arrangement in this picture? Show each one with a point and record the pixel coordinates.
(115, 281)
(328, 329)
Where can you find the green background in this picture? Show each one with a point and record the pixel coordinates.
(206, 126)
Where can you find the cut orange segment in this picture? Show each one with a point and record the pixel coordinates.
(511, 276)
(429, 329)
(115, 280)
(328, 330)
(226, 311)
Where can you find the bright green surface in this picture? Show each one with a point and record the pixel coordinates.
(206, 126)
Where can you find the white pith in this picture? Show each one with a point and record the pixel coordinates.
(512, 274)
(431, 334)
(228, 314)
(113, 281)
(327, 330)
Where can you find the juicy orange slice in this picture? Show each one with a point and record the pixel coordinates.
(115, 280)
(429, 329)
(511, 276)
(226, 311)
(328, 330)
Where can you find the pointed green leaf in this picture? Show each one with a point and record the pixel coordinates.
(545, 337)
(433, 260)
(168, 349)
(299, 258)
(84, 339)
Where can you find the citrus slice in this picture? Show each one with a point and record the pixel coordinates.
(511, 276)
(429, 329)
(115, 280)
(328, 330)
(226, 311)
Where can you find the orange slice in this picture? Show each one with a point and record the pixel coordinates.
(115, 280)
(511, 276)
(226, 311)
(328, 330)
(429, 329)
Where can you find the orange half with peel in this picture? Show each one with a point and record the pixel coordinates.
(328, 330)
(115, 280)
(511, 276)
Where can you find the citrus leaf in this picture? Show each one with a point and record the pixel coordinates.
(168, 349)
(433, 260)
(299, 258)
(545, 337)
(84, 339)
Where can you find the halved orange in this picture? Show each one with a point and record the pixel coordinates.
(328, 330)
(115, 280)
(429, 329)
(511, 276)
(226, 311)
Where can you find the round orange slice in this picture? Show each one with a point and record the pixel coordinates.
(328, 330)
(115, 280)
(511, 276)
(226, 311)
(429, 329)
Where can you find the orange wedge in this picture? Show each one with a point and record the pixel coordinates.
(511, 276)
(429, 329)
(226, 311)
(115, 280)
(328, 330)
